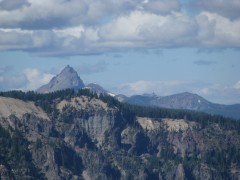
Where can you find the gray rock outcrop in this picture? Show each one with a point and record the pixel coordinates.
(67, 79)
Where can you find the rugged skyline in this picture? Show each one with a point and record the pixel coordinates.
(128, 46)
(69, 79)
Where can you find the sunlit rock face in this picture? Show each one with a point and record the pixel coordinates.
(67, 79)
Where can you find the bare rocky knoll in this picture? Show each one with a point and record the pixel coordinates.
(69, 135)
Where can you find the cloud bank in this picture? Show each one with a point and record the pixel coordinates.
(29, 79)
(65, 28)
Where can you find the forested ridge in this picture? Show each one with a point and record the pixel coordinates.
(46, 101)
(112, 142)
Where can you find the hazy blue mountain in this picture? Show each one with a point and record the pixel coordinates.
(95, 88)
(68, 78)
(121, 97)
(187, 101)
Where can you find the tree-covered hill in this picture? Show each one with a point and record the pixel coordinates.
(90, 136)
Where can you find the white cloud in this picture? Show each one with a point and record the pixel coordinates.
(17, 39)
(227, 8)
(218, 31)
(36, 79)
(58, 28)
(29, 79)
(12, 4)
(47, 14)
(146, 29)
(161, 6)
(8, 82)
(226, 94)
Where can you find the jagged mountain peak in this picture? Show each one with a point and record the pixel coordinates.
(68, 69)
(67, 78)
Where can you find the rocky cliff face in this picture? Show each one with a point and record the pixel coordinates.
(88, 137)
(67, 79)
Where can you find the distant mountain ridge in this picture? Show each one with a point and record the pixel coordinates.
(95, 88)
(68, 78)
(186, 101)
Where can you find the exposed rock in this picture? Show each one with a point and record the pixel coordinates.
(180, 174)
(127, 136)
(178, 124)
(83, 103)
(67, 79)
(87, 138)
(148, 123)
(18, 108)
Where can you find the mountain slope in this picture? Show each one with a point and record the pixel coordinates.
(91, 137)
(186, 101)
(10, 106)
(67, 79)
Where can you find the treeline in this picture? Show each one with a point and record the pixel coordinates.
(202, 118)
(46, 102)
(33, 96)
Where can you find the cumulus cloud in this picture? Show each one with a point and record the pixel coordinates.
(225, 8)
(65, 28)
(29, 79)
(226, 94)
(47, 14)
(17, 39)
(10, 5)
(35, 78)
(10, 82)
(218, 31)
(161, 6)
(141, 29)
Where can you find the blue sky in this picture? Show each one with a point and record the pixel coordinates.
(126, 46)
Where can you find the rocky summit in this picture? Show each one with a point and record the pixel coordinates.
(68, 78)
(69, 135)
